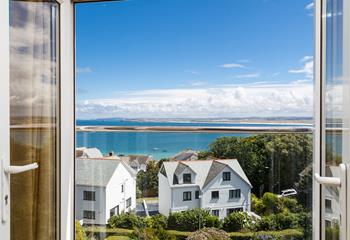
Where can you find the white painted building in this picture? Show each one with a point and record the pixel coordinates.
(137, 162)
(104, 187)
(219, 186)
(186, 155)
(331, 195)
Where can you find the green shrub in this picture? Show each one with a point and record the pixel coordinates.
(266, 223)
(209, 234)
(128, 221)
(237, 221)
(143, 234)
(290, 204)
(151, 234)
(270, 202)
(192, 220)
(286, 220)
(212, 222)
(158, 221)
(332, 232)
(79, 232)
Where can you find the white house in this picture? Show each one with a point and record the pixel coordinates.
(84, 152)
(186, 155)
(104, 187)
(332, 204)
(220, 186)
(137, 162)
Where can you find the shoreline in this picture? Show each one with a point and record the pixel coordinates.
(200, 129)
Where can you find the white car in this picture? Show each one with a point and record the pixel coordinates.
(288, 192)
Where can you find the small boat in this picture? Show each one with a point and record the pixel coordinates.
(155, 149)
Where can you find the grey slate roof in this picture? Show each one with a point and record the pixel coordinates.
(180, 167)
(185, 155)
(95, 172)
(139, 159)
(215, 169)
(205, 170)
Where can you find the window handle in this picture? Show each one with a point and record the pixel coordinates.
(20, 169)
(328, 181)
(5, 172)
(340, 182)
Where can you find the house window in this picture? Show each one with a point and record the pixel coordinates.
(89, 214)
(235, 193)
(226, 176)
(231, 210)
(215, 194)
(328, 204)
(114, 211)
(187, 178)
(128, 202)
(187, 196)
(196, 195)
(215, 212)
(122, 187)
(89, 196)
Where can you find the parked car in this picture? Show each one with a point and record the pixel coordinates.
(288, 192)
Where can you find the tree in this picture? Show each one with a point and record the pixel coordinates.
(272, 162)
(147, 181)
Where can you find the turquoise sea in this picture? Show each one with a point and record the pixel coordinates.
(158, 144)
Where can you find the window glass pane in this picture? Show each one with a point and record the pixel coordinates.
(334, 110)
(163, 90)
(34, 98)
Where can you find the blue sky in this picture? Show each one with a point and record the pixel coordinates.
(194, 58)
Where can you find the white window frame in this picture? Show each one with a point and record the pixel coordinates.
(320, 118)
(67, 105)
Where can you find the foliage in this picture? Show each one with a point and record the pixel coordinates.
(192, 220)
(287, 234)
(209, 234)
(266, 158)
(126, 220)
(271, 203)
(147, 181)
(333, 232)
(237, 221)
(283, 221)
(158, 221)
(79, 232)
(151, 234)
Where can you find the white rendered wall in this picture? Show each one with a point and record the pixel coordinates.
(177, 198)
(98, 205)
(114, 195)
(223, 203)
(164, 195)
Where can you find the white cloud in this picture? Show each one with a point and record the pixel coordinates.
(306, 58)
(276, 74)
(84, 70)
(310, 6)
(232, 65)
(307, 69)
(294, 99)
(248, 75)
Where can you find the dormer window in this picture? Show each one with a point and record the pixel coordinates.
(187, 178)
(226, 176)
